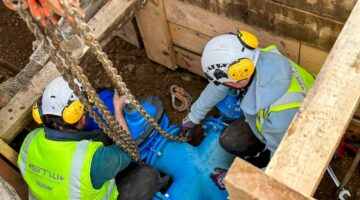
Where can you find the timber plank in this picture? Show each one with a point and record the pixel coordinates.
(188, 39)
(210, 24)
(14, 178)
(316, 130)
(9, 153)
(154, 29)
(245, 181)
(189, 61)
(16, 114)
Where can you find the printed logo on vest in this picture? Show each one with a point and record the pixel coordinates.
(46, 173)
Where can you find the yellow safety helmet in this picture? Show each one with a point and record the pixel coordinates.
(59, 100)
(230, 57)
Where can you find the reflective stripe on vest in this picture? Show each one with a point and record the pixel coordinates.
(77, 181)
(294, 96)
(76, 167)
(22, 161)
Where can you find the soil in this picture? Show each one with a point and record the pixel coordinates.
(15, 41)
(143, 77)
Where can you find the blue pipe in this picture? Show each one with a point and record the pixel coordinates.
(188, 166)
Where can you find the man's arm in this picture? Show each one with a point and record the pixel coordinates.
(108, 161)
(211, 96)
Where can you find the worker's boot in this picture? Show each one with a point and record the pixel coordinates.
(140, 183)
(238, 139)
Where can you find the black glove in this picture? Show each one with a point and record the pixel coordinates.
(187, 127)
(218, 177)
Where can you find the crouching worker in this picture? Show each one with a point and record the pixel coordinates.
(61, 161)
(272, 87)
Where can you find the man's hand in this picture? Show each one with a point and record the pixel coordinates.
(119, 104)
(119, 101)
(187, 127)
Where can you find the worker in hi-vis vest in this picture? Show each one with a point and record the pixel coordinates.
(272, 87)
(62, 161)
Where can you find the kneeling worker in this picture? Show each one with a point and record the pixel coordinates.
(272, 87)
(61, 161)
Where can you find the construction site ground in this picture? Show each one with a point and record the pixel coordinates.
(143, 77)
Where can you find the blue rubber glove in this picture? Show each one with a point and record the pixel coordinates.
(187, 127)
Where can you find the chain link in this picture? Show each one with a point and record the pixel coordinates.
(62, 58)
(68, 75)
(86, 34)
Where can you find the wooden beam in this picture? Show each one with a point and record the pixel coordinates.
(14, 178)
(154, 29)
(115, 14)
(202, 21)
(311, 140)
(9, 153)
(245, 181)
(15, 115)
(11, 86)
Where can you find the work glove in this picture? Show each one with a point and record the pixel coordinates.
(187, 127)
(218, 177)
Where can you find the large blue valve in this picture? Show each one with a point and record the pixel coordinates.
(188, 166)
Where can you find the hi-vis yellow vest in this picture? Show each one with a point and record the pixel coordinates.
(60, 169)
(301, 82)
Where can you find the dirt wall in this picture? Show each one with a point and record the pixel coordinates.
(314, 22)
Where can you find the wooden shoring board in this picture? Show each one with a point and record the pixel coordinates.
(307, 148)
(189, 61)
(155, 33)
(209, 24)
(9, 153)
(188, 39)
(15, 115)
(245, 181)
(191, 27)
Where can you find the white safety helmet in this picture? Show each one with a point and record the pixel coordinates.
(59, 100)
(230, 57)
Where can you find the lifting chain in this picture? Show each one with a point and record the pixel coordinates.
(62, 58)
(122, 138)
(86, 34)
